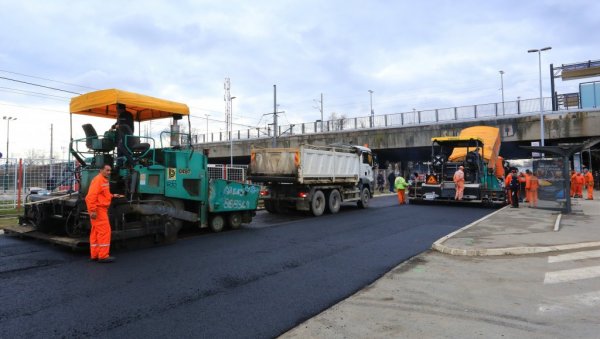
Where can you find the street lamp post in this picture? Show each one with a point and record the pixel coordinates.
(206, 135)
(539, 52)
(231, 131)
(372, 113)
(8, 119)
(502, 89)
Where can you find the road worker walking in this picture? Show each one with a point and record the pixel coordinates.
(573, 183)
(507, 181)
(531, 187)
(98, 200)
(400, 185)
(589, 183)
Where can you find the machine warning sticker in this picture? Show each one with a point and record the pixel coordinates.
(171, 174)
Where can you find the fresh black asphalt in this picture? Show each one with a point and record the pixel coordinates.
(257, 282)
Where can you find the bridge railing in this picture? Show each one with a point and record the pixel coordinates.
(415, 117)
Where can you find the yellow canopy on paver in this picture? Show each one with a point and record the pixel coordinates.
(489, 136)
(103, 104)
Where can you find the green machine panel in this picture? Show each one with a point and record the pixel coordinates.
(227, 196)
(151, 179)
(185, 175)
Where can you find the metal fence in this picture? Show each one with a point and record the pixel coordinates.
(233, 173)
(22, 176)
(415, 117)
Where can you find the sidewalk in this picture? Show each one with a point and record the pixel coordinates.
(506, 232)
(514, 231)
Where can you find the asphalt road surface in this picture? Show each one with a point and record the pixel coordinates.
(256, 282)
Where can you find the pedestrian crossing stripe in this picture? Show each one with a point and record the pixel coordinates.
(574, 256)
(572, 274)
(561, 304)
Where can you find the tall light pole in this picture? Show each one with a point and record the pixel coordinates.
(8, 119)
(502, 89)
(206, 136)
(372, 112)
(539, 52)
(231, 131)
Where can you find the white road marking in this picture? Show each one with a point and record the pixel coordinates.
(574, 256)
(562, 304)
(572, 274)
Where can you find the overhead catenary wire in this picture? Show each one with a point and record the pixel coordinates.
(41, 78)
(38, 85)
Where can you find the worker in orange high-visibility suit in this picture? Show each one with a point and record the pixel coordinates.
(573, 179)
(523, 177)
(531, 186)
(589, 183)
(580, 181)
(459, 181)
(507, 181)
(98, 200)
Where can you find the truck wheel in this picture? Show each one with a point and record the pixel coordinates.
(217, 223)
(365, 195)
(334, 201)
(234, 220)
(270, 206)
(317, 203)
(170, 233)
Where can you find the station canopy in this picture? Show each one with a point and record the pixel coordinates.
(580, 70)
(103, 104)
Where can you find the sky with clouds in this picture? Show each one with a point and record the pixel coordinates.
(423, 55)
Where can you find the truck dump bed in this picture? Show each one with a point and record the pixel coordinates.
(306, 164)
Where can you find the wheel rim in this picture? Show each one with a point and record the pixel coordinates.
(235, 220)
(334, 201)
(318, 203)
(217, 223)
(365, 197)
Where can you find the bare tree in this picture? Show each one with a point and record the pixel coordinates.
(35, 157)
(337, 122)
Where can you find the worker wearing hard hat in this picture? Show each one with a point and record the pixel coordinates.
(459, 182)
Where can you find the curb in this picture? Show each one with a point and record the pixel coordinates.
(437, 245)
(521, 250)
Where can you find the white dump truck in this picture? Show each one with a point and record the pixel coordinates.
(314, 179)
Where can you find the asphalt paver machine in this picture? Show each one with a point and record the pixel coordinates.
(476, 149)
(166, 187)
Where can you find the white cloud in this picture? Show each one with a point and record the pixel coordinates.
(412, 55)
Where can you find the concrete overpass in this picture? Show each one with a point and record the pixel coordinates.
(412, 142)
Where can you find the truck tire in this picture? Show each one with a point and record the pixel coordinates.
(270, 206)
(234, 220)
(365, 195)
(217, 223)
(317, 203)
(334, 200)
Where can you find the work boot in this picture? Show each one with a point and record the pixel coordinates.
(106, 260)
